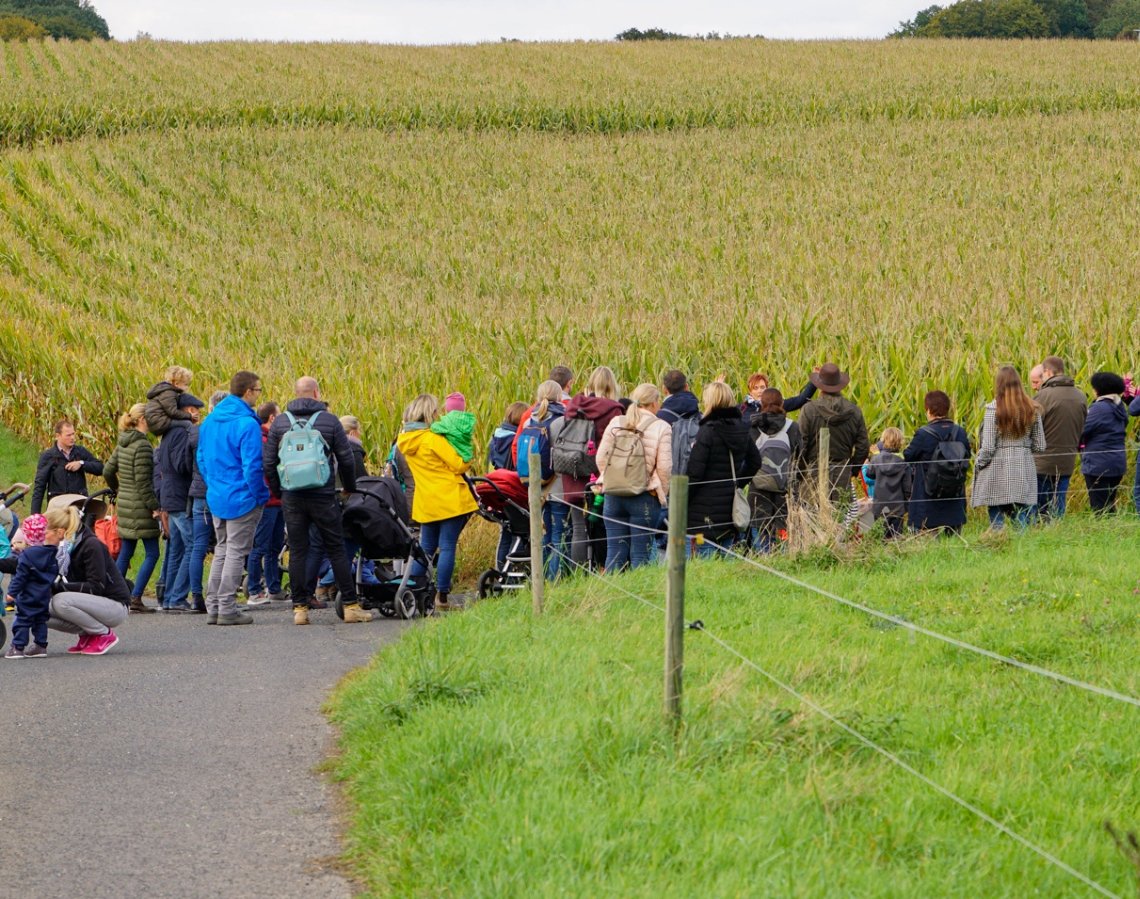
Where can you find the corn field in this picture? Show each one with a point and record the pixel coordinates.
(395, 220)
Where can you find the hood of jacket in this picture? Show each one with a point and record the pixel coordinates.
(1114, 403)
(1057, 381)
(455, 424)
(591, 407)
(412, 440)
(769, 422)
(233, 408)
(132, 436)
(728, 424)
(304, 406)
(679, 405)
(159, 388)
(506, 429)
(834, 409)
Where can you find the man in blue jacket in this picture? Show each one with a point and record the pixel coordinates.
(229, 460)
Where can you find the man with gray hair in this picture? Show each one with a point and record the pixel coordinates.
(314, 507)
(1063, 411)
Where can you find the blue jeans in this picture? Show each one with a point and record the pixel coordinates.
(626, 545)
(202, 529)
(150, 560)
(264, 568)
(554, 516)
(1018, 512)
(444, 536)
(178, 558)
(1051, 495)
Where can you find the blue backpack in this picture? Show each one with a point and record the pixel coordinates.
(535, 438)
(303, 458)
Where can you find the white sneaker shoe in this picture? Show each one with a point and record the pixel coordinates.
(258, 599)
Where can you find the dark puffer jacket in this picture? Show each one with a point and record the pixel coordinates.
(130, 473)
(711, 487)
(341, 463)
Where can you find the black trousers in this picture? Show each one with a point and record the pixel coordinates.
(320, 509)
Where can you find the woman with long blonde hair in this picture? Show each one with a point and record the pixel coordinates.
(1006, 476)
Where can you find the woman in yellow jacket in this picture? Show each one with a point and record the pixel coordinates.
(442, 503)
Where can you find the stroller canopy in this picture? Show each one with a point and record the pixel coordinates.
(376, 516)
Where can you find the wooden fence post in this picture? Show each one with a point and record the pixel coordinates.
(824, 470)
(675, 596)
(537, 572)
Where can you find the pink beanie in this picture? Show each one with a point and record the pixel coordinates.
(34, 528)
(455, 402)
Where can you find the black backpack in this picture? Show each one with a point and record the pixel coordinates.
(945, 474)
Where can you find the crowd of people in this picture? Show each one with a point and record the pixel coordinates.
(249, 473)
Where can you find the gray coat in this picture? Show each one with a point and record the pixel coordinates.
(1005, 472)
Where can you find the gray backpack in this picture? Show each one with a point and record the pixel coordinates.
(684, 436)
(775, 461)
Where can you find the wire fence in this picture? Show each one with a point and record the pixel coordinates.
(871, 744)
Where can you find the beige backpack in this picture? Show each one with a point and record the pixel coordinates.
(626, 473)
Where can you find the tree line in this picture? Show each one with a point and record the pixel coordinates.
(38, 19)
(1103, 19)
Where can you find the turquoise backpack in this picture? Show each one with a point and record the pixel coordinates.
(303, 459)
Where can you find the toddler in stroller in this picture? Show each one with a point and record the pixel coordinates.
(377, 518)
(502, 498)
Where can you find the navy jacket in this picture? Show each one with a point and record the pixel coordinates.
(53, 478)
(678, 406)
(31, 584)
(926, 513)
(338, 449)
(499, 452)
(1102, 440)
(173, 467)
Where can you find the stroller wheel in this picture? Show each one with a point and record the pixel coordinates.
(406, 606)
(339, 605)
(490, 583)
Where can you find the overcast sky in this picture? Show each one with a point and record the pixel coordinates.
(466, 21)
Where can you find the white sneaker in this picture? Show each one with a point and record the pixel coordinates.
(258, 599)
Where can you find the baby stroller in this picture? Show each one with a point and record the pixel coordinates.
(377, 518)
(502, 498)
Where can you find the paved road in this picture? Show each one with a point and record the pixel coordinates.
(180, 764)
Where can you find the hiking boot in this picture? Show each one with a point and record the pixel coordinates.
(235, 618)
(198, 604)
(138, 606)
(211, 618)
(280, 596)
(258, 599)
(98, 644)
(9, 607)
(353, 614)
(84, 639)
(14, 653)
(35, 651)
(301, 615)
(180, 606)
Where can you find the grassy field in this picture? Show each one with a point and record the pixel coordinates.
(495, 754)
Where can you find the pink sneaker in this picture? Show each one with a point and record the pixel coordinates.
(84, 639)
(98, 644)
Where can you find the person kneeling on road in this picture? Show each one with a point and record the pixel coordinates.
(309, 499)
